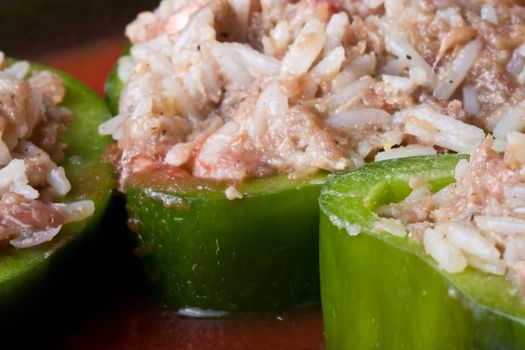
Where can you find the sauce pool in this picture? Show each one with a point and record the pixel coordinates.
(141, 324)
(135, 321)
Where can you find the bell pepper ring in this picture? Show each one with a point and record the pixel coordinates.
(23, 270)
(205, 252)
(383, 291)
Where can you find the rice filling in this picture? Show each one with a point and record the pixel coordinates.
(232, 89)
(479, 220)
(228, 90)
(31, 182)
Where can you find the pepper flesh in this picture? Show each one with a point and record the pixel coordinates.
(203, 250)
(383, 291)
(22, 269)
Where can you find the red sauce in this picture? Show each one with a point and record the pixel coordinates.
(90, 63)
(140, 324)
(136, 322)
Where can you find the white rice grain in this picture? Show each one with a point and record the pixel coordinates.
(469, 240)
(179, 154)
(34, 238)
(125, 67)
(330, 65)
(19, 70)
(304, 50)
(501, 224)
(488, 13)
(111, 126)
(496, 267)
(399, 83)
(255, 61)
(57, 179)
(458, 69)
(515, 197)
(390, 225)
(448, 257)
(470, 100)
(350, 92)
(358, 68)
(510, 119)
(13, 178)
(405, 151)
(404, 51)
(79, 210)
(351, 119)
(232, 66)
(335, 31)
(5, 154)
(515, 250)
(461, 168)
(446, 131)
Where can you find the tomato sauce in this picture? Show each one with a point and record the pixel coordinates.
(137, 322)
(141, 324)
(90, 63)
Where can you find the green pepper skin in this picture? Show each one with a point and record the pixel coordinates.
(380, 291)
(21, 270)
(203, 250)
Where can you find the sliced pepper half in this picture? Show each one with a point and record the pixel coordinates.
(22, 269)
(381, 291)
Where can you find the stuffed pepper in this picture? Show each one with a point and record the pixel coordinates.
(53, 187)
(407, 262)
(426, 253)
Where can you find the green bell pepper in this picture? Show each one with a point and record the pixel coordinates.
(381, 291)
(21, 270)
(206, 251)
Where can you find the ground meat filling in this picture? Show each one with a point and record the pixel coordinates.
(230, 89)
(478, 221)
(31, 183)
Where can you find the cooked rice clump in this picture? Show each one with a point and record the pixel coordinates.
(478, 221)
(30, 180)
(232, 89)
